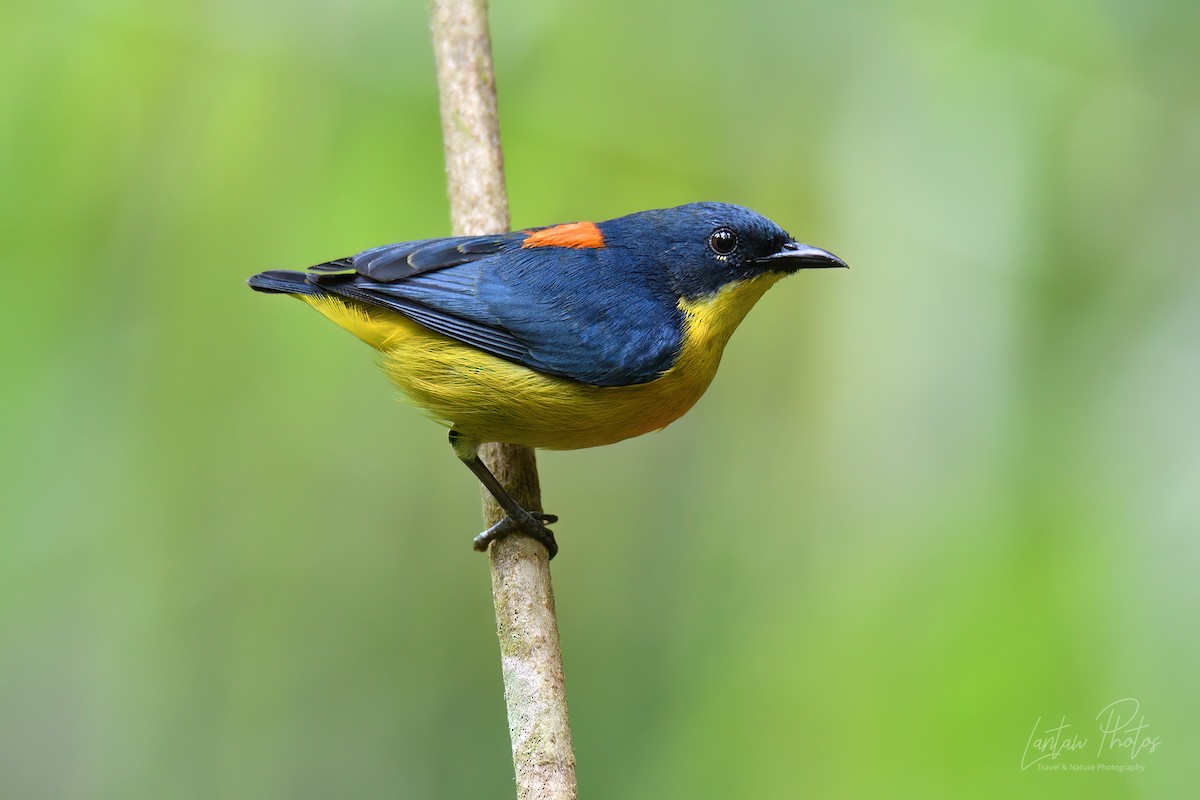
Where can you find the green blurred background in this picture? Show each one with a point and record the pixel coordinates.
(926, 502)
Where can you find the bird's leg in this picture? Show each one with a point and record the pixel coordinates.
(516, 519)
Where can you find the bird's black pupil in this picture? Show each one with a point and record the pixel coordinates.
(723, 241)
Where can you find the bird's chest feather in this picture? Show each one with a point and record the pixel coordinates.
(710, 321)
(626, 411)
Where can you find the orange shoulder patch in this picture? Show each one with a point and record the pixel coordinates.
(573, 234)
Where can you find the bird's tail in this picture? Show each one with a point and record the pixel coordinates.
(371, 326)
(280, 281)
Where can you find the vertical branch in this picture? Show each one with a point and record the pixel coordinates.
(470, 128)
(531, 658)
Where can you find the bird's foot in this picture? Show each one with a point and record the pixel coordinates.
(533, 523)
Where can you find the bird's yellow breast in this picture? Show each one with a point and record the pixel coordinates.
(490, 399)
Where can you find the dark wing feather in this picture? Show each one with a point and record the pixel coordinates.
(395, 262)
(571, 313)
(489, 339)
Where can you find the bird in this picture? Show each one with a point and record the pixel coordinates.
(560, 337)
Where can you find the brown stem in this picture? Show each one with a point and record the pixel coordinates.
(530, 655)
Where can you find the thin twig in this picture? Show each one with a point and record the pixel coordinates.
(530, 654)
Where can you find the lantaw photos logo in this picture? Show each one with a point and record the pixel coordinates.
(1120, 742)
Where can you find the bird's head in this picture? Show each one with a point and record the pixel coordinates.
(707, 246)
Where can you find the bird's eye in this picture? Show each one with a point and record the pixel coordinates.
(723, 241)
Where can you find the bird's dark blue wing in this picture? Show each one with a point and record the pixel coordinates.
(394, 262)
(594, 315)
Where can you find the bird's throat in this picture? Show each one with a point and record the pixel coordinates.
(710, 321)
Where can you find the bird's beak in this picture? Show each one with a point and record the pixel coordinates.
(793, 256)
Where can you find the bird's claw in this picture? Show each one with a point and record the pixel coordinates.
(532, 524)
